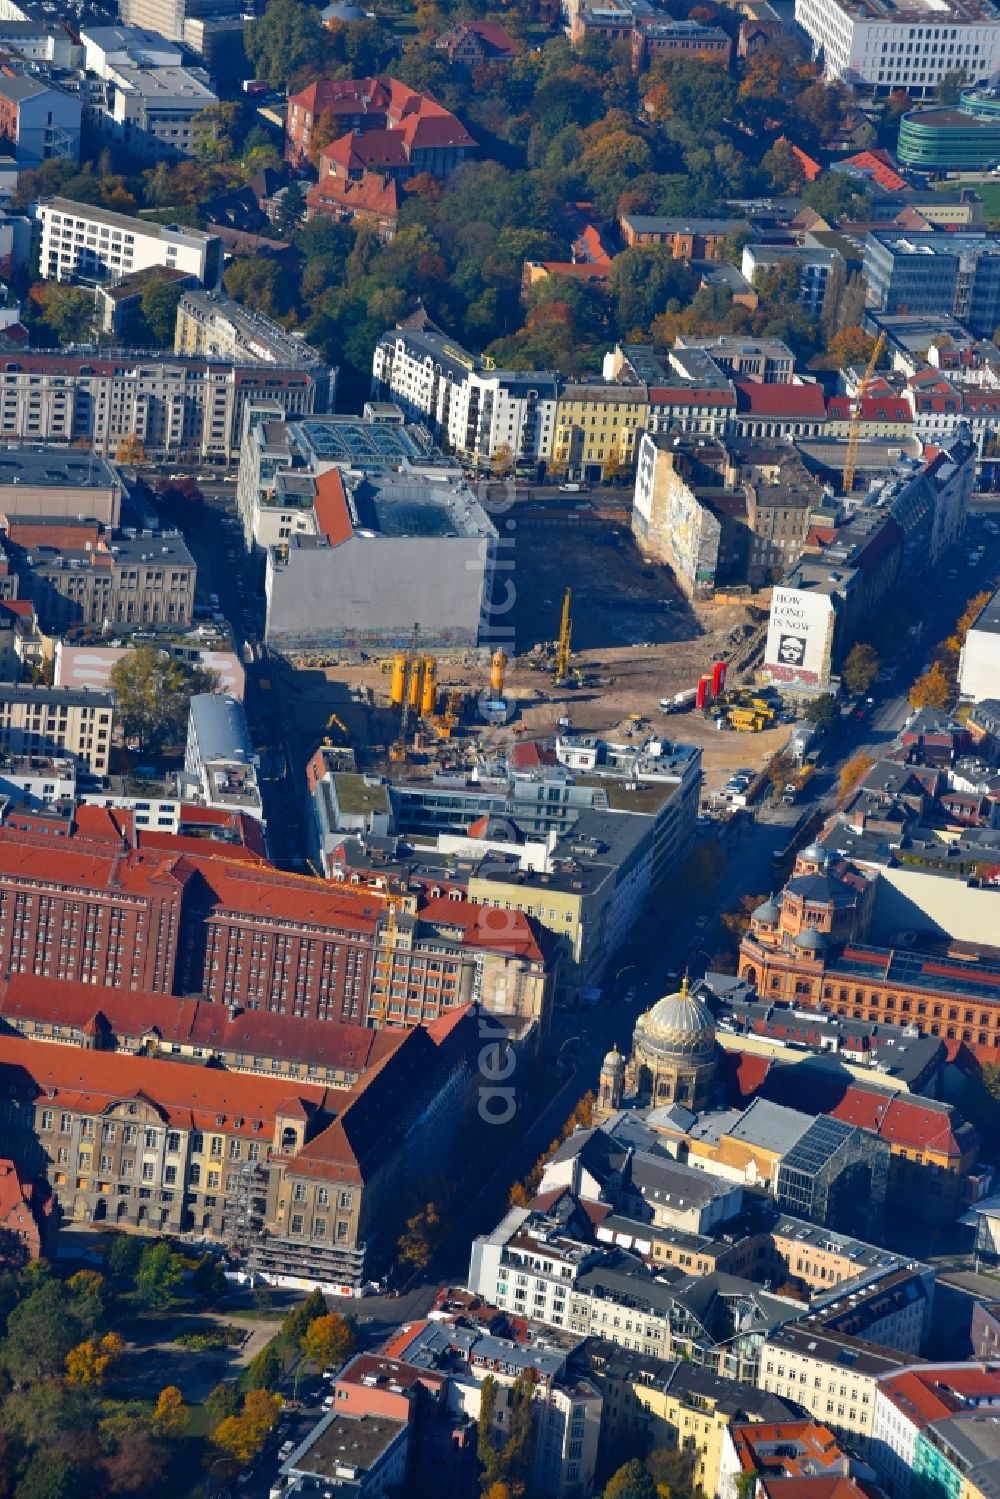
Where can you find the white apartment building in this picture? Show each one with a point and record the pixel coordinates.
(151, 111)
(177, 406)
(108, 47)
(81, 241)
(834, 1376)
(483, 415)
(220, 766)
(911, 46)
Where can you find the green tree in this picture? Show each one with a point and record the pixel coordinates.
(286, 37)
(40, 1333)
(254, 283)
(159, 311)
(67, 310)
(836, 197)
(823, 712)
(860, 668)
(220, 1402)
(632, 1481)
(950, 86)
(209, 1279)
(159, 1274)
(293, 1328)
(291, 211)
(264, 1370)
(153, 691)
(486, 1449)
(124, 1253)
(519, 1447)
(52, 1475)
(213, 132)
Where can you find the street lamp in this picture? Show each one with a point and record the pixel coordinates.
(208, 1476)
(626, 968)
(562, 1048)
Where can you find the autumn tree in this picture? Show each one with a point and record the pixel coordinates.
(89, 1361)
(329, 1340)
(293, 1329)
(851, 346)
(416, 1245)
(860, 668)
(854, 770)
(170, 1414)
(932, 690)
(966, 620)
(242, 1436)
(130, 449)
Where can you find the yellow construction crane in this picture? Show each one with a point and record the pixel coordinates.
(854, 431)
(565, 638)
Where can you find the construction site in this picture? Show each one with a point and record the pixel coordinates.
(601, 642)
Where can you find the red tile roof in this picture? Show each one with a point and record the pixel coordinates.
(27, 856)
(374, 194)
(485, 926)
(874, 408)
(879, 166)
(333, 514)
(131, 1014)
(490, 33)
(809, 168)
(789, 1448)
(925, 1395)
(75, 1079)
(342, 96)
(899, 1118)
(805, 401)
(691, 395)
(301, 899)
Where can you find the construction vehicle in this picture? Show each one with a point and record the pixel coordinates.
(854, 431)
(335, 722)
(747, 721)
(563, 644)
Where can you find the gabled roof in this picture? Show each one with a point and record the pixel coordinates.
(879, 166)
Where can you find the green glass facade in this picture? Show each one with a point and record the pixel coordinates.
(968, 137)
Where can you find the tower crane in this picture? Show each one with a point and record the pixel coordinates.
(854, 431)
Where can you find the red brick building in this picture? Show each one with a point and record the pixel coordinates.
(380, 125)
(24, 1222)
(176, 915)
